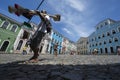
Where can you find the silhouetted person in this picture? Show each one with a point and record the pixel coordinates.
(56, 49)
(43, 28)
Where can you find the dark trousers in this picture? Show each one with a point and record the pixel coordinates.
(35, 43)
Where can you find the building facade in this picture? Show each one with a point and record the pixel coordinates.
(106, 38)
(82, 45)
(64, 45)
(9, 29)
(12, 35)
(72, 48)
(56, 38)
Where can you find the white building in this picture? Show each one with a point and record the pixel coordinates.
(82, 45)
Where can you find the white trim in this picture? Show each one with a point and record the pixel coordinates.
(2, 24)
(118, 29)
(7, 25)
(12, 27)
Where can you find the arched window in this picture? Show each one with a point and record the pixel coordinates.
(98, 37)
(101, 26)
(113, 32)
(116, 40)
(103, 35)
(104, 42)
(4, 46)
(5, 25)
(108, 34)
(106, 23)
(14, 28)
(25, 35)
(97, 28)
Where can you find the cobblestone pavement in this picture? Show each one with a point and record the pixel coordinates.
(62, 67)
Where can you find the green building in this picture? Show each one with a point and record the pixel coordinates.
(12, 36)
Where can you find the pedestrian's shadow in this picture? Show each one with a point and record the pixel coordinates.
(16, 71)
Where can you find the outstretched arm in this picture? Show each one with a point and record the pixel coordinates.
(38, 13)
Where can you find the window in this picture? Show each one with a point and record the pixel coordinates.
(108, 34)
(90, 45)
(104, 42)
(100, 43)
(96, 44)
(14, 28)
(103, 35)
(110, 41)
(101, 26)
(92, 39)
(55, 41)
(52, 39)
(5, 24)
(97, 28)
(115, 40)
(106, 23)
(98, 37)
(113, 32)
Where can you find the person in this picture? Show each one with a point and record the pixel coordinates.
(24, 50)
(43, 27)
(55, 49)
(118, 50)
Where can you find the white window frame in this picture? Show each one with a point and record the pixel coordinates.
(12, 27)
(4, 22)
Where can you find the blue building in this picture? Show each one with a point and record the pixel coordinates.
(56, 38)
(106, 38)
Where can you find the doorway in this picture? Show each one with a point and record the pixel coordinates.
(106, 51)
(111, 48)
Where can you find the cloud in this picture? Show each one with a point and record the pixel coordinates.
(76, 4)
(67, 31)
(73, 17)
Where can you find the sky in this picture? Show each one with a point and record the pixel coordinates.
(78, 17)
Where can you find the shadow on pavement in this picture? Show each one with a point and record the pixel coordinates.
(35, 71)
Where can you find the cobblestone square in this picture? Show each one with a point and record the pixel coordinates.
(62, 67)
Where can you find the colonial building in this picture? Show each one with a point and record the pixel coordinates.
(82, 45)
(106, 38)
(64, 45)
(56, 38)
(12, 37)
(9, 30)
(72, 48)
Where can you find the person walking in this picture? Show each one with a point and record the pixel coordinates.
(56, 49)
(43, 28)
